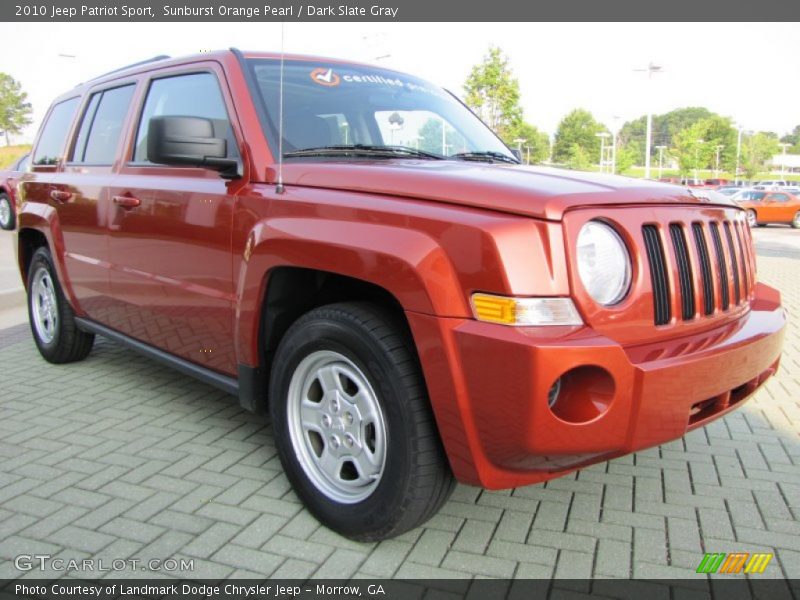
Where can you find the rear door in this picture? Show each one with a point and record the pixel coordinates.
(84, 193)
(170, 230)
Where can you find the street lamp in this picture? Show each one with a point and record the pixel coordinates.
(716, 163)
(697, 157)
(602, 135)
(738, 154)
(783, 158)
(650, 69)
(660, 160)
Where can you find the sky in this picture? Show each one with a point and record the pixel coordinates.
(750, 72)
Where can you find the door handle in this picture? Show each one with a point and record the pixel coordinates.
(127, 202)
(60, 196)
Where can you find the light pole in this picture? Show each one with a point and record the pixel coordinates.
(660, 160)
(614, 144)
(738, 154)
(650, 69)
(716, 163)
(602, 135)
(697, 157)
(528, 154)
(783, 158)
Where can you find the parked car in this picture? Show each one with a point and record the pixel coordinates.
(728, 190)
(8, 192)
(765, 207)
(410, 311)
(770, 184)
(716, 183)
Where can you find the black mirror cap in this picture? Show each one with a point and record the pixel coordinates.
(188, 141)
(517, 154)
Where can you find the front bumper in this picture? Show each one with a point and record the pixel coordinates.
(489, 386)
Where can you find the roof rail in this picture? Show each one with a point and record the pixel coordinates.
(136, 64)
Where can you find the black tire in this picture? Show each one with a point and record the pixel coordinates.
(68, 343)
(8, 219)
(416, 479)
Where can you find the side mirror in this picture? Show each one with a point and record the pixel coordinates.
(517, 154)
(189, 141)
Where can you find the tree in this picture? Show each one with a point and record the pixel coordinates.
(695, 147)
(756, 150)
(15, 110)
(430, 138)
(626, 157)
(665, 127)
(578, 128)
(493, 93)
(536, 143)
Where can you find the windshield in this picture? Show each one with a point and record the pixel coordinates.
(345, 105)
(749, 195)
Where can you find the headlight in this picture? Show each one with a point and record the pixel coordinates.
(604, 264)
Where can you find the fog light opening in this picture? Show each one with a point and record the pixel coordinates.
(553, 394)
(581, 394)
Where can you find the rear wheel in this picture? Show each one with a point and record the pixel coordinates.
(796, 220)
(7, 217)
(353, 424)
(52, 320)
(752, 218)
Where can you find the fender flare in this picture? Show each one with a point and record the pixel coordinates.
(408, 264)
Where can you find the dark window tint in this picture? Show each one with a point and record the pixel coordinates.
(780, 198)
(102, 126)
(51, 142)
(196, 95)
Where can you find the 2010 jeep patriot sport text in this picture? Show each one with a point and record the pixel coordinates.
(410, 304)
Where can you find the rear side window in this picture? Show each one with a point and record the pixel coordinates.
(101, 127)
(195, 95)
(54, 134)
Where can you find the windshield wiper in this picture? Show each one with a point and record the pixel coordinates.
(365, 150)
(487, 156)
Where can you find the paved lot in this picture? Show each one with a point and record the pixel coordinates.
(118, 457)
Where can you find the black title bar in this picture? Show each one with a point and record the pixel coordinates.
(399, 10)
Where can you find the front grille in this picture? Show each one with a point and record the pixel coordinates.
(658, 274)
(705, 267)
(685, 277)
(688, 275)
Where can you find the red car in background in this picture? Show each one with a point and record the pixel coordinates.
(8, 193)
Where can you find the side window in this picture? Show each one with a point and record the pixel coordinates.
(195, 95)
(101, 127)
(54, 134)
(780, 198)
(22, 164)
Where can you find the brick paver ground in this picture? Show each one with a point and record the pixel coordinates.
(118, 457)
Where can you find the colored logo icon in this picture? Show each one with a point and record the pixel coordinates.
(325, 77)
(735, 562)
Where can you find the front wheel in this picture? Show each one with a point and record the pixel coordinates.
(353, 424)
(52, 320)
(796, 220)
(7, 217)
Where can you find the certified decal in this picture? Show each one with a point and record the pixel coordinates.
(325, 77)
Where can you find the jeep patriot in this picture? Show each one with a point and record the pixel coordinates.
(410, 304)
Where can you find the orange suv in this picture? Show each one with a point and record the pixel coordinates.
(352, 250)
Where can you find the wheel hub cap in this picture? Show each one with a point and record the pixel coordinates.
(44, 306)
(5, 212)
(336, 426)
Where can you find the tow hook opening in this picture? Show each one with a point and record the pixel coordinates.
(581, 394)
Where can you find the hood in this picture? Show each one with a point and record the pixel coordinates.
(540, 192)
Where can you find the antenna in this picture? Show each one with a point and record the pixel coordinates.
(279, 189)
